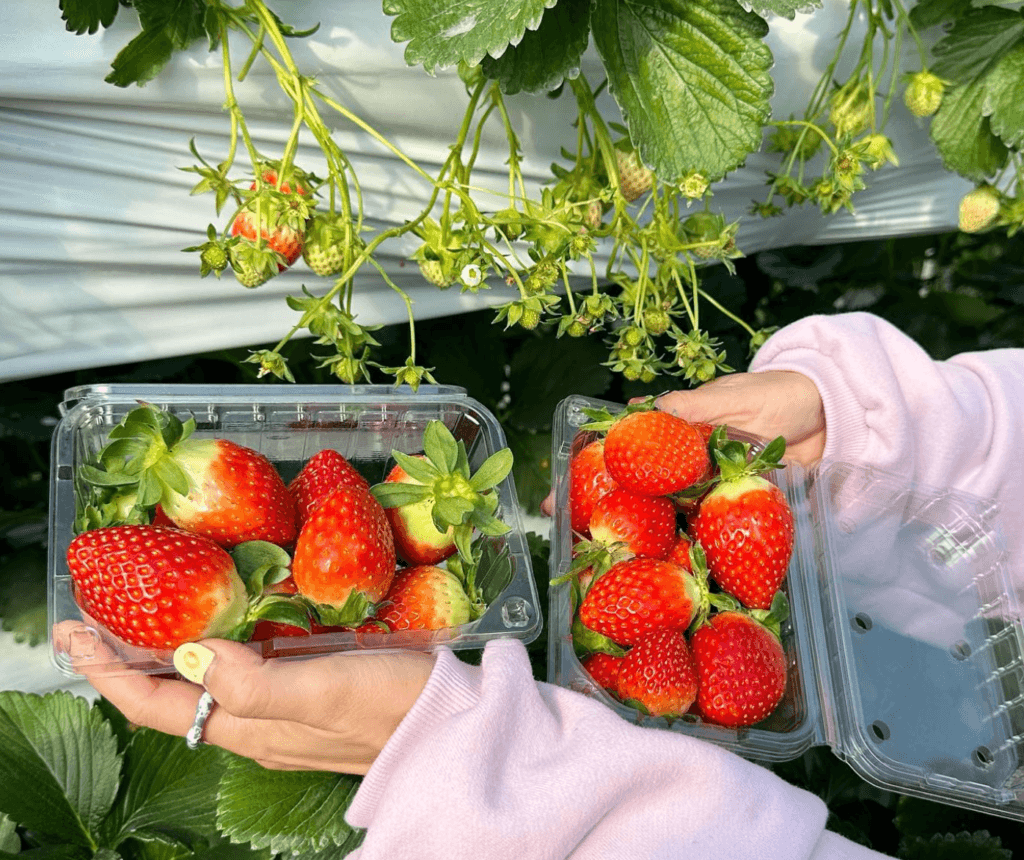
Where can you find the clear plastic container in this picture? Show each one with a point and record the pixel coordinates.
(904, 640)
(288, 424)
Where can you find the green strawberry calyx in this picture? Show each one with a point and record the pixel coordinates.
(734, 460)
(462, 501)
(136, 470)
(601, 419)
(261, 564)
(485, 575)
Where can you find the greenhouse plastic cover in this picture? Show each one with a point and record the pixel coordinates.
(97, 207)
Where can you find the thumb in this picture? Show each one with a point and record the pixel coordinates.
(240, 681)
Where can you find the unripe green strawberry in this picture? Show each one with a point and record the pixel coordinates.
(530, 319)
(215, 258)
(978, 209)
(328, 240)
(851, 108)
(634, 179)
(656, 321)
(433, 272)
(923, 94)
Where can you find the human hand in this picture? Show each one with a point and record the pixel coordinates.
(331, 713)
(769, 404)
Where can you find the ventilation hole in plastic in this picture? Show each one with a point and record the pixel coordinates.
(960, 650)
(861, 622)
(982, 756)
(880, 730)
(515, 612)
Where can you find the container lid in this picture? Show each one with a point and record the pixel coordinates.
(919, 653)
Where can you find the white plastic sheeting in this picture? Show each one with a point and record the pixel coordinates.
(96, 209)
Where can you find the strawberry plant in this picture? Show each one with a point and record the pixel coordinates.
(691, 83)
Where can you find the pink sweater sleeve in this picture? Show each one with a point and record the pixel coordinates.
(491, 764)
(955, 424)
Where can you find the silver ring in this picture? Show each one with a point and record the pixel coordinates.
(194, 736)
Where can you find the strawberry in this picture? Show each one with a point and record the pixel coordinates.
(588, 481)
(417, 539)
(156, 587)
(639, 595)
(645, 524)
(741, 667)
(651, 452)
(680, 552)
(211, 487)
(745, 526)
(433, 271)
(322, 473)
(330, 245)
(604, 669)
(426, 597)
(344, 560)
(274, 215)
(659, 674)
(436, 491)
(635, 180)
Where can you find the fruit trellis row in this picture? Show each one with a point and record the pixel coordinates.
(693, 111)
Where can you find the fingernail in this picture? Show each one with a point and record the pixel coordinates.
(192, 660)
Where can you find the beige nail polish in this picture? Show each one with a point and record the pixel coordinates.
(192, 660)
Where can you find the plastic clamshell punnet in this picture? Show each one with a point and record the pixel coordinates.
(904, 641)
(288, 424)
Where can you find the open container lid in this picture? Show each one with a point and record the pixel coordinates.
(905, 636)
(917, 637)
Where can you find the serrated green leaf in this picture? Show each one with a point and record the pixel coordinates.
(440, 446)
(546, 56)
(87, 16)
(1003, 102)
(783, 8)
(691, 80)
(182, 20)
(66, 759)
(492, 471)
(976, 42)
(931, 13)
(443, 33)
(141, 60)
(284, 810)
(169, 791)
(963, 135)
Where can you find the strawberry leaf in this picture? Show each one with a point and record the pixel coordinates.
(286, 811)
(10, 842)
(65, 752)
(1003, 103)
(443, 33)
(87, 16)
(970, 54)
(691, 79)
(783, 8)
(546, 56)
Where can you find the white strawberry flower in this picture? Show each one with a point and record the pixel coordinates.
(471, 275)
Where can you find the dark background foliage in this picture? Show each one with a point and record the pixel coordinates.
(951, 292)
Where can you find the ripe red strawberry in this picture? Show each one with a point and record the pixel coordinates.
(156, 587)
(645, 524)
(746, 529)
(604, 669)
(321, 475)
(211, 487)
(426, 597)
(417, 539)
(654, 453)
(639, 595)
(344, 559)
(741, 667)
(588, 481)
(680, 552)
(659, 673)
(281, 239)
